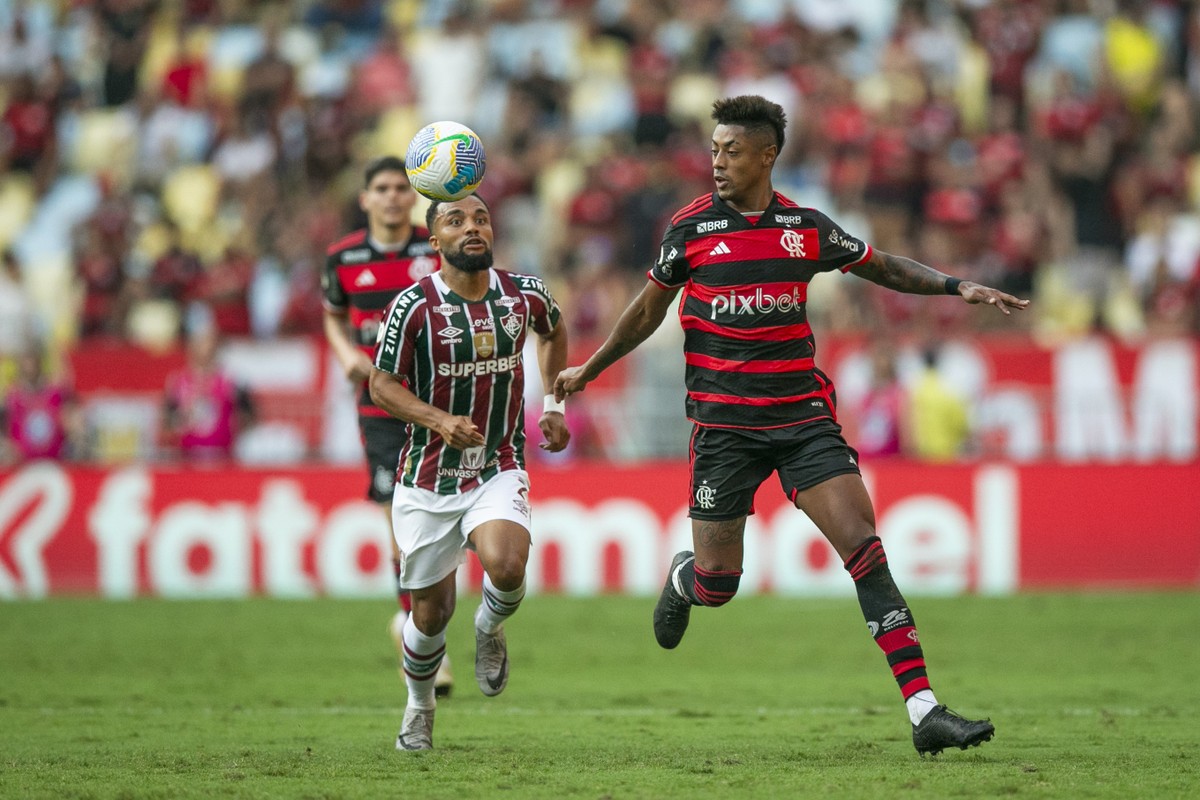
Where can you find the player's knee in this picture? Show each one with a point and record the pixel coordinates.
(507, 574)
(716, 588)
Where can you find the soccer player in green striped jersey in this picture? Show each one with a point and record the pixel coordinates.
(449, 362)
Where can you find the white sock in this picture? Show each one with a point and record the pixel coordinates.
(422, 657)
(497, 606)
(920, 704)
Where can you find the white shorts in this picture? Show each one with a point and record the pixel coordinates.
(432, 529)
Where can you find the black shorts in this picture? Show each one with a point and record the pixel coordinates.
(383, 438)
(729, 464)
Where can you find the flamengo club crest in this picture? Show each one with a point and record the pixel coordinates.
(793, 242)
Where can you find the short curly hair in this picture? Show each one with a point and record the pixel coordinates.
(432, 212)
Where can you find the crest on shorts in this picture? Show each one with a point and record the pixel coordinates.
(485, 342)
(512, 324)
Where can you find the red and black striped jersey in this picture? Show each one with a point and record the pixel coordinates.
(747, 343)
(361, 278)
(465, 357)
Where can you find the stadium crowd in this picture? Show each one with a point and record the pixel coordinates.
(174, 165)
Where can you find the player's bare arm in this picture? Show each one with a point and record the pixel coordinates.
(552, 359)
(355, 363)
(389, 393)
(906, 275)
(639, 319)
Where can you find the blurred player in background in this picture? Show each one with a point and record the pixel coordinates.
(449, 362)
(744, 255)
(363, 272)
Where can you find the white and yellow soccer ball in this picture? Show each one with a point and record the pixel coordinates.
(445, 161)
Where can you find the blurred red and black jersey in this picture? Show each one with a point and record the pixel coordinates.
(361, 278)
(747, 342)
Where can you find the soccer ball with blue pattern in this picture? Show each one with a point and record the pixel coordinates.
(445, 161)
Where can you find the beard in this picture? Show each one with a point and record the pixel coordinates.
(469, 263)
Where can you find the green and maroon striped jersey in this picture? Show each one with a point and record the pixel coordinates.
(464, 357)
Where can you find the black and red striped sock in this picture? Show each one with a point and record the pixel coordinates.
(888, 616)
(716, 587)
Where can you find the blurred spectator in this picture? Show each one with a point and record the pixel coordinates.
(40, 416)
(382, 80)
(18, 325)
(125, 31)
(102, 278)
(203, 409)
(27, 140)
(939, 419)
(222, 292)
(880, 413)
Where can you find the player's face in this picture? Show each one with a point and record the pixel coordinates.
(741, 162)
(462, 233)
(388, 200)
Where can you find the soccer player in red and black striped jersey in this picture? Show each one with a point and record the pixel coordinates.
(364, 270)
(449, 361)
(743, 256)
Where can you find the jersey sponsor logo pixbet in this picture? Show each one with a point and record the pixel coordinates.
(734, 304)
(491, 366)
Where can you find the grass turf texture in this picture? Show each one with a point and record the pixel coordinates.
(1093, 696)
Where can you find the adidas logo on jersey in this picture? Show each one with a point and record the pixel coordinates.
(721, 249)
(365, 278)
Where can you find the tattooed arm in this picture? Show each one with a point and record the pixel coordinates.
(913, 277)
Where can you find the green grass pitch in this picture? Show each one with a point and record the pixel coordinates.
(1093, 696)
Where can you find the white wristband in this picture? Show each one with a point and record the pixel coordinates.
(550, 404)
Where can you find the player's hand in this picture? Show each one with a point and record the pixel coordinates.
(460, 433)
(975, 293)
(359, 369)
(569, 382)
(554, 428)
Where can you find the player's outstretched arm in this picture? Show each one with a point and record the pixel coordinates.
(913, 277)
(389, 393)
(640, 318)
(552, 358)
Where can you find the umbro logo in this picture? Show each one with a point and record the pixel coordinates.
(721, 249)
(365, 278)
